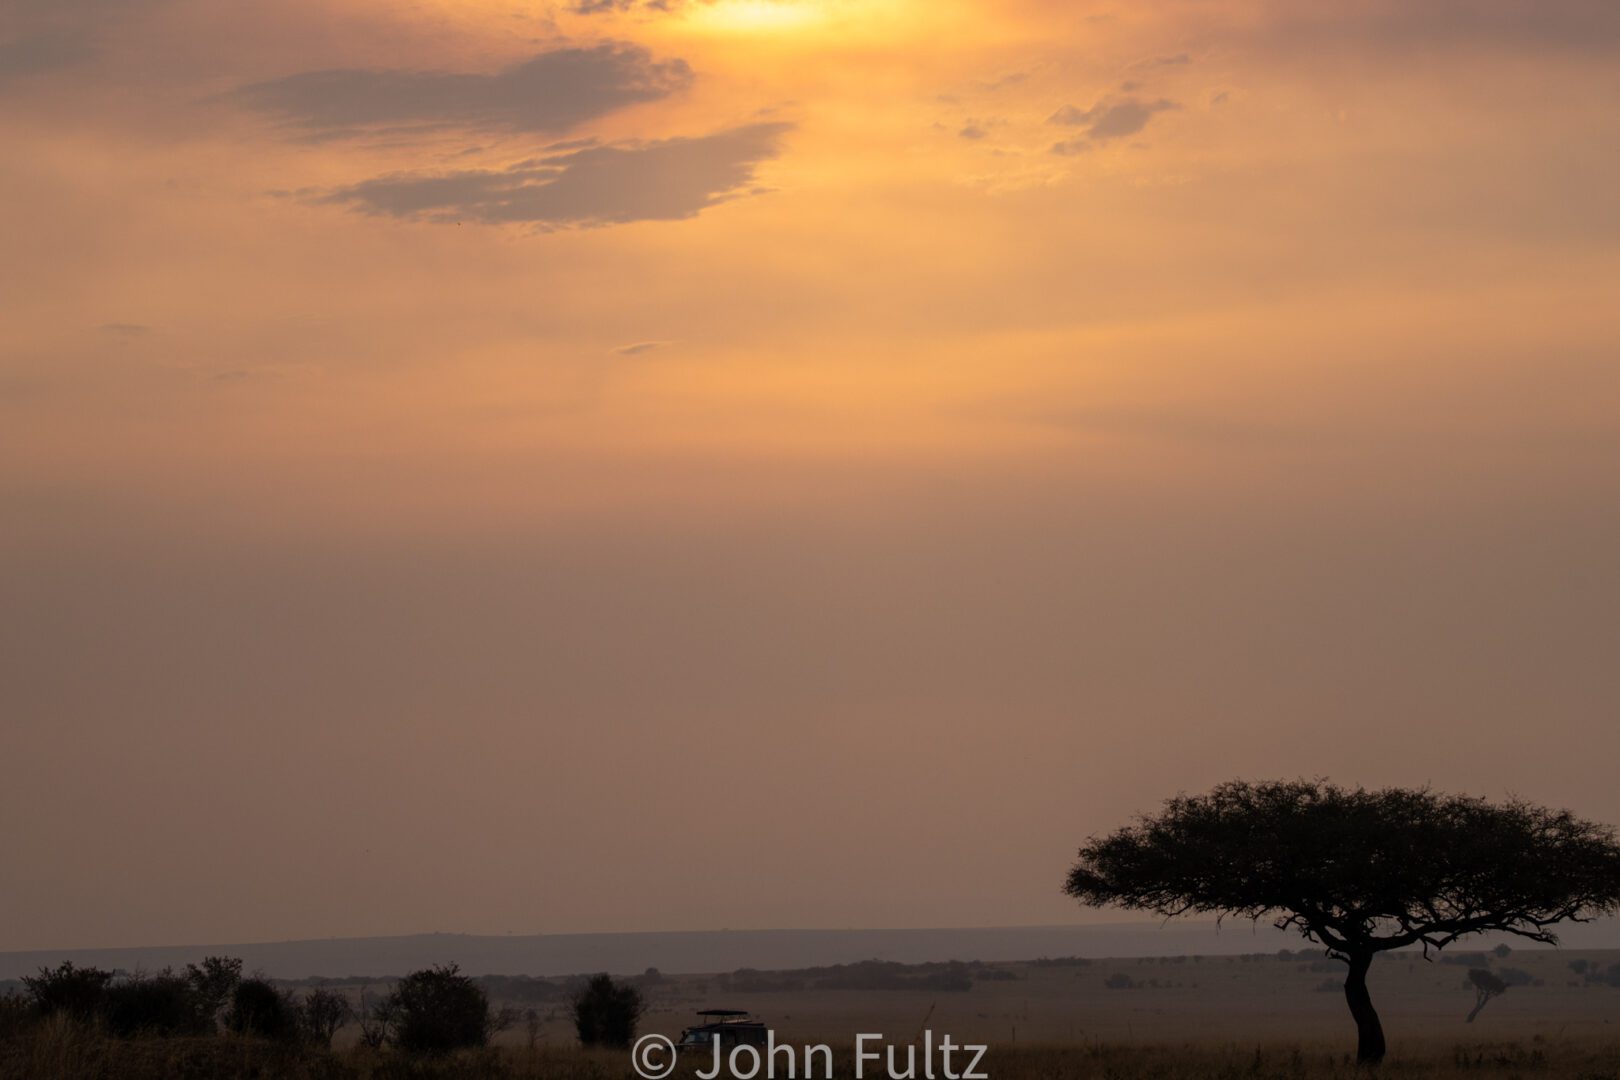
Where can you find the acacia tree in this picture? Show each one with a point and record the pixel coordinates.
(1359, 872)
(1486, 986)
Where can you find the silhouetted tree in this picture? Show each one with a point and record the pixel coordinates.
(78, 992)
(322, 1013)
(1358, 871)
(212, 984)
(258, 1008)
(376, 1018)
(606, 1013)
(1486, 986)
(437, 1010)
(161, 1004)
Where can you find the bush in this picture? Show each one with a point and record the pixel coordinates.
(606, 1013)
(1119, 981)
(212, 983)
(322, 1013)
(257, 1008)
(75, 991)
(162, 1004)
(437, 1010)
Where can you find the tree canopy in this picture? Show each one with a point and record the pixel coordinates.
(1358, 871)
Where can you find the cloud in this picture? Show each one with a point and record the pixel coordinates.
(1108, 119)
(1582, 25)
(972, 131)
(550, 92)
(39, 36)
(124, 329)
(31, 54)
(665, 180)
(639, 347)
(600, 7)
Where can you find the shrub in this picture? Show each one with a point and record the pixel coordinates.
(437, 1010)
(322, 1013)
(606, 1013)
(257, 1008)
(161, 1004)
(212, 983)
(1119, 981)
(76, 991)
(376, 1018)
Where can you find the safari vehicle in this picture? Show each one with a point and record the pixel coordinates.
(732, 1027)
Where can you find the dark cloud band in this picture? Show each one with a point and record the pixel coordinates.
(550, 92)
(664, 180)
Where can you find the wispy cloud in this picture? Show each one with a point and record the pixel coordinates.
(1111, 118)
(664, 180)
(550, 92)
(1578, 25)
(124, 329)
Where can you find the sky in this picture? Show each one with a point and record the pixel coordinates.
(634, 465)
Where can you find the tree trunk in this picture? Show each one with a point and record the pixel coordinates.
(1369, 1032)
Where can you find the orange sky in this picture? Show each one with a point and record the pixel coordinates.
(459, 461)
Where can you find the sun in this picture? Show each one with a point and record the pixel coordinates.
(756, 16)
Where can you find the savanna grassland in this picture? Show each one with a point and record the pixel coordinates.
(1260, 1017)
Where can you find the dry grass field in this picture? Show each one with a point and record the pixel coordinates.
(1171, 1000)
(60, 1052)
(1211, 1018)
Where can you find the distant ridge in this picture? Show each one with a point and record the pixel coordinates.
(722, 950)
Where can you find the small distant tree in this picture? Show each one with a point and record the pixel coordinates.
(606, 1013)
(1119, 981)
(1502, 951)
(1486, 986)
(1358, 871)
(212, 984)
(376, 1019)
(322, 1013)
(258, 1008)
(437, 1010)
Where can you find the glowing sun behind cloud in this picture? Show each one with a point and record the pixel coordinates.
(757, 16)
